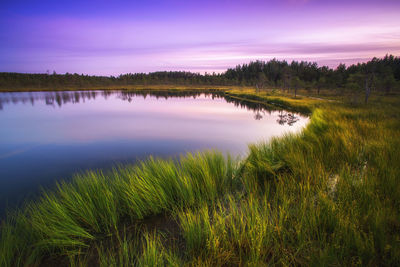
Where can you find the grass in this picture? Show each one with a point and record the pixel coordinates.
(328, 195)
(93, 206)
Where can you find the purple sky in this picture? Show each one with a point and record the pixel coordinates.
(113, 37)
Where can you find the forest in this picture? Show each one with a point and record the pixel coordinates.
(378, 74)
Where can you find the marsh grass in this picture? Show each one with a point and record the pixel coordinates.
(328, 195)
(93, 206)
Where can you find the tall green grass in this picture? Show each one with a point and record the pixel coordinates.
(328, 195)
(94, 205)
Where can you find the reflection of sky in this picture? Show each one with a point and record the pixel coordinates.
(40, 143)
(150, 118)
(140, 36)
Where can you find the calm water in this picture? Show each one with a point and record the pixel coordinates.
(46, 136)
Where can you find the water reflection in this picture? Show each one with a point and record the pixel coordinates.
(287, 118)
(50, 98)
(60, 98)
(47, 136)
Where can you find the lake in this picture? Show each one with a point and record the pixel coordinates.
(48, 136)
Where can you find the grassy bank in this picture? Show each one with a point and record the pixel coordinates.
(326, 196)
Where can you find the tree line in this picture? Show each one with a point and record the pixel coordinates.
(382, 74)
(377, 74)
(10, 80)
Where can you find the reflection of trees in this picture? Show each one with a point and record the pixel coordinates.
(286, 118)
(63, 97)
(60, 98)
(49, 98)
(165, 94)
(258, 115)
(49, 101)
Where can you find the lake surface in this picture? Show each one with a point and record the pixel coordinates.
(47, 136)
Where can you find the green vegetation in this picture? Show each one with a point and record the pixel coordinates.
(94, 206)
(328, 195)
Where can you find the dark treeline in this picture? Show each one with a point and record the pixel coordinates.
(378, 74)
(10, 80)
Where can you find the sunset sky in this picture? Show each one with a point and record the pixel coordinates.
(114, 37)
